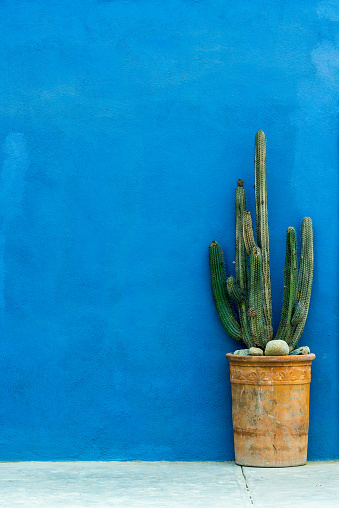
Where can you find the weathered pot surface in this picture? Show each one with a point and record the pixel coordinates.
(270, 409)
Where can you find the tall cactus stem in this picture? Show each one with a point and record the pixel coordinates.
(262, 227)
(290, 286)
(241, 263)
(305, 277)
(221, 299)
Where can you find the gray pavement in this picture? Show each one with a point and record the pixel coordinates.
(167, 484)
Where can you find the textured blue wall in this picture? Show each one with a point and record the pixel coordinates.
(124, 126)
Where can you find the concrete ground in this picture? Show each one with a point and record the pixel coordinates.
(167, 484)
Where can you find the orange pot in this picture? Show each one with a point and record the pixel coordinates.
(270, 409)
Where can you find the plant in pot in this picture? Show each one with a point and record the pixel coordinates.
(270, 378)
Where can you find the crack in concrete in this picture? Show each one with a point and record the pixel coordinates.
(246, 485)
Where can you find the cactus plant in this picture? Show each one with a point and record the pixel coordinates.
(251, 287)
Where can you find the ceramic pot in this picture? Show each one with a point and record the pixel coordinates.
(270, 409)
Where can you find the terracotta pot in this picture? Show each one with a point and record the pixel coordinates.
(270, 409)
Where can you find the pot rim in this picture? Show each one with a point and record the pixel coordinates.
(270, 359)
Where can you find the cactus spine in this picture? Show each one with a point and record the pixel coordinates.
(251, 287)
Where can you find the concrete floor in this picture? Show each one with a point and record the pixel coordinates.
(167, 484)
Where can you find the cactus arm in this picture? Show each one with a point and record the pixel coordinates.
(262, 227)
(290, 286)
(255, 298)
(222, 302)
(248, 232)
(293, 272)
(305, 277)
(241, 264)
(299, 313)
(234, 290)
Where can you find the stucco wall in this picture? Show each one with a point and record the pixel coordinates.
(124, 126)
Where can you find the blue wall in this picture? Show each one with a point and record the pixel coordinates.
(124, 126)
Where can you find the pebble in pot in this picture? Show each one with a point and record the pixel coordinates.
(255, 351)
(277, 348)
(304, 350)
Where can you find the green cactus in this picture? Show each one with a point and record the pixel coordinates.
(251, 287)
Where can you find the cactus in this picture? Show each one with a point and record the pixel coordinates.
(251, 287)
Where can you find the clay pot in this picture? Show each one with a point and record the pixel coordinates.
(270, 409)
